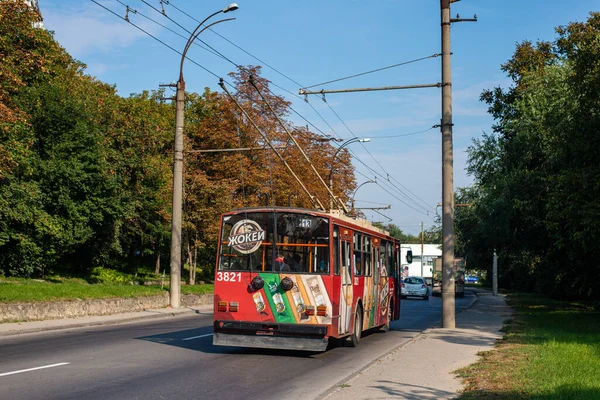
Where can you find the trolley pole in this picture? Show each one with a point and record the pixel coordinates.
(448, 273)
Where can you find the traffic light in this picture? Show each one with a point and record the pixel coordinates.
(409, 256)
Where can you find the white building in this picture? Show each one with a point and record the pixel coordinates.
(422, 264)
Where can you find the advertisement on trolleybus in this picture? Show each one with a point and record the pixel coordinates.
(294, 278)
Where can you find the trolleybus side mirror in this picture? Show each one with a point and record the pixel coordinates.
(409, 256)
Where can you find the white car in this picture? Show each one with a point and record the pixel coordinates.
(414, 286)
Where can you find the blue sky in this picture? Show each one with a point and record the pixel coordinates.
(314, 41)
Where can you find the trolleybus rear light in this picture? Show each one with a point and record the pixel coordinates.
(222, 306)
(310, 310)
(233, 306)
(322, 311)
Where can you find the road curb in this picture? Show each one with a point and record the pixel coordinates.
(336, 386)
(114, 319)
(472, 301)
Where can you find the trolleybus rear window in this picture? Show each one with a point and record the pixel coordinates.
(275, 242)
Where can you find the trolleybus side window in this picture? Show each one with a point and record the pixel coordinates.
(358, 259)
(367, 256)
(390, 258)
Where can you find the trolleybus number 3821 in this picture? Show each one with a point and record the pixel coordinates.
(229, 276)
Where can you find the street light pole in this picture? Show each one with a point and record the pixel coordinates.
(346, 143)
(174, 287)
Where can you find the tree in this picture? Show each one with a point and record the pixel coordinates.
(536, 178)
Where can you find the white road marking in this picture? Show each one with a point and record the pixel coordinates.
(33, 369)
(197, 337)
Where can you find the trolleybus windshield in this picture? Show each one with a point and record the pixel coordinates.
(275, 242)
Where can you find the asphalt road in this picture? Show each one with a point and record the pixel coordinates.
(176, 359)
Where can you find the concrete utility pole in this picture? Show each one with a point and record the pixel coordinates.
(175, 284)
(448, 273)
(448, 269)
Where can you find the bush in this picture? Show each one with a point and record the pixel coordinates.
(110, 276)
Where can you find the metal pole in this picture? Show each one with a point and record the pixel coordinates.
(175, 283)
(448, 272)
(422, 245)
(174, 287)
(495, 274)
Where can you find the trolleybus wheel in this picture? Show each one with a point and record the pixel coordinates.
(355, 337)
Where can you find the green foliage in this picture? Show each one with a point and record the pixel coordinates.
(110, 276)
(85, 175)
(536, 177)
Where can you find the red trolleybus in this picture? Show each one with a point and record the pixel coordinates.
(293, 278)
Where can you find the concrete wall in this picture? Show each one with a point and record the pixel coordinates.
(19, 312)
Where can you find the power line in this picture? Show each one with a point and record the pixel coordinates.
(426, 209)
(229, 84)
(394, 196)
(232, 43)
(266, 64)
(155, 38)
(374, 159)
(402, 135)
(223, 82)
(372, 71)
(269, 66)
(182, 27)
(164, 27)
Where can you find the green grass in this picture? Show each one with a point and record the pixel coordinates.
(551, 350)
(13, 290)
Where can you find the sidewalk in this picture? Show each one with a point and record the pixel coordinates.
(18, 328)
(423, 368)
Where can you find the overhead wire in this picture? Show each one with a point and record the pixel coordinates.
(185, 29)
(222, 84)
(157, 39)
(377, 162)
(204, 48)
(393, 195)
(402, 135)
(137, 12)
(373, 71)
(170, 3)
(215, 52)
(380, 183)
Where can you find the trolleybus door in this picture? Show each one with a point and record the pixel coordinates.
(346, 294)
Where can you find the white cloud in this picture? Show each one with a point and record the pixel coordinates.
(87, 28)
